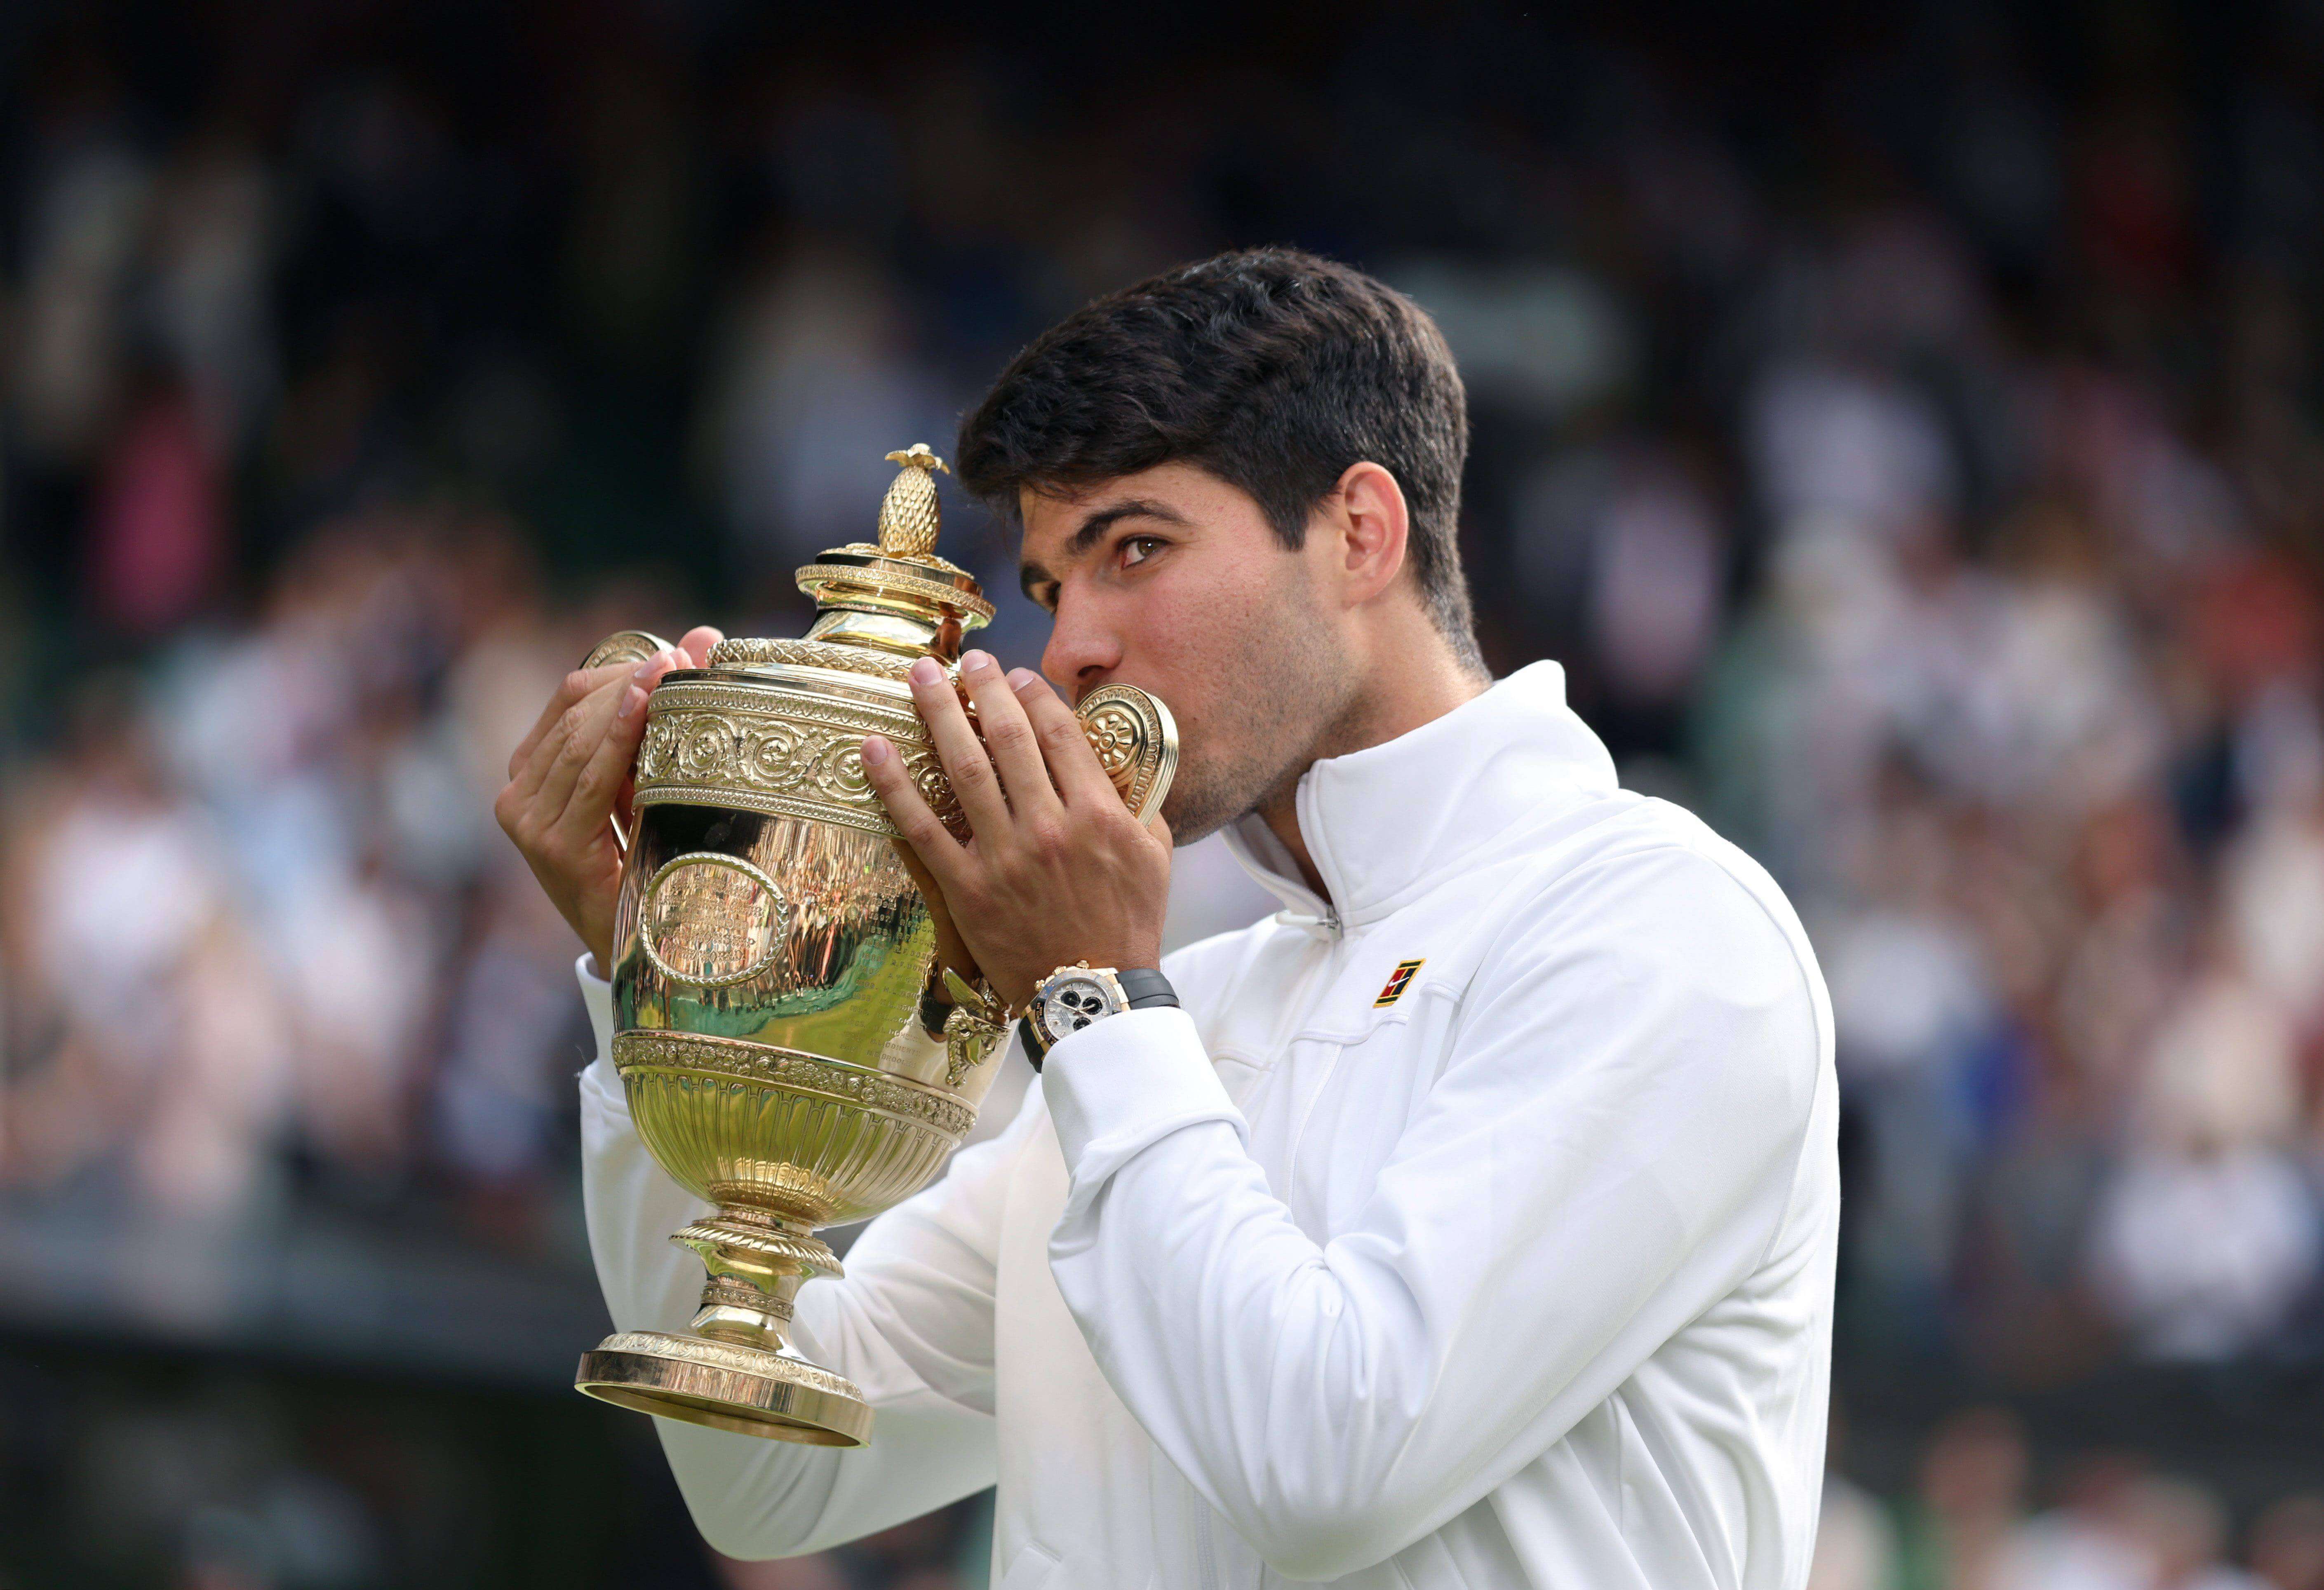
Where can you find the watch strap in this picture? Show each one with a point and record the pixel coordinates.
(939, 997)
(1146, 988)
(935, 1011)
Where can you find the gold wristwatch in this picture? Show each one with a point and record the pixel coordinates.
(1072, 997)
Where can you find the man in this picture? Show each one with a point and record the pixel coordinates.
(1472, 1221)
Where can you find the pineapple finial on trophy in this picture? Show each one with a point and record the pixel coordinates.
(898, 595)
(908, 514)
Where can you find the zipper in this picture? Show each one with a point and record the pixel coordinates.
(1305, 806)
(1206, 1567)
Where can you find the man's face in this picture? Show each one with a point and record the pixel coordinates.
(1173, 580)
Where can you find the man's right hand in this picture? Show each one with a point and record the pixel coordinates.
(570, 778)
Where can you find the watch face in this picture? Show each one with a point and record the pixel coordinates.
(1071, 1002)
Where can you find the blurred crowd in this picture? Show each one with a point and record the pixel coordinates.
(2048, 780)
(262, 938)
(2113, 1522)
(1905, 437)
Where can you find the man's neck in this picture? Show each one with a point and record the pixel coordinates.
(1394, 700)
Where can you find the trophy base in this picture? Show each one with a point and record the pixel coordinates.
(746, 1390)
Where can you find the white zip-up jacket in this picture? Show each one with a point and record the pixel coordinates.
(1521, 1276)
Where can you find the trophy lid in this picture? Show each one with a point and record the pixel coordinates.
(894, 597)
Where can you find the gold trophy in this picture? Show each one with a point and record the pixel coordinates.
(771, 955)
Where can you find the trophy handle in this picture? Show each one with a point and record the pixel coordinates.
(1137, 743)
(1135, 738)
(623, 645)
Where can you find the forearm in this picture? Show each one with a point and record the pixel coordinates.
(1284, 1380)
(749, 1497)
(1583, 1180)
(753, 1497)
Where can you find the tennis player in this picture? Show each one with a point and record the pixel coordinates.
(1470, 1221)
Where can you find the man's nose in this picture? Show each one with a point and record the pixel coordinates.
(1082, 647)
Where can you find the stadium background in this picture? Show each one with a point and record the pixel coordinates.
(1905, 429)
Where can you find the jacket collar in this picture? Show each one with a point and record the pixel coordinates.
(1386, 822)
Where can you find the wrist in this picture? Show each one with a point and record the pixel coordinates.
(936, 1008)
(1076, 997)
(947, 990)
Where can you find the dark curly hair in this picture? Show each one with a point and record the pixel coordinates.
(1273, 369)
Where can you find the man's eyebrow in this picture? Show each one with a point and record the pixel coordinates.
(1096, 525)
(1092, 530)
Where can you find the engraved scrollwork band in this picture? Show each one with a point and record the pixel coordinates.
(889, 578)
(760, 746)
(766, 749)
(811, 654)
(715, 1354)
(732, 1292)
(791, 1071)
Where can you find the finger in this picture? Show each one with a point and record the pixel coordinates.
(1009, 736)
(574, 733)
(1160, 830)
(697, 644)
(974, 780)
(558, 759)
(923, 831)
(1079, 774)
(576, 687)
(572, 725)
(597, 789)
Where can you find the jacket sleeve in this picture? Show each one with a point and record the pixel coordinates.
(1608, 1151)
(910, 1323)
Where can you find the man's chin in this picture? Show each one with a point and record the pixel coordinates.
(1193, 817)
(1196, 808)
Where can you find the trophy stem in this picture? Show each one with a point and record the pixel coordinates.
(737, 1370)
(743, 1313)
(757, 1259)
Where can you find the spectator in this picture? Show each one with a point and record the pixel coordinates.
(2184, 1529)
(2287, 1544)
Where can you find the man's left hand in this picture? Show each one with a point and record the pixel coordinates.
(1055, 869)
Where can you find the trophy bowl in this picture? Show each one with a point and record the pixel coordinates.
(770, 956)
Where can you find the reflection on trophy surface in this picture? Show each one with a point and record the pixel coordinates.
(771, 952)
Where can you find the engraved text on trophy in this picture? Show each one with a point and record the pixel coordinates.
(711, 919)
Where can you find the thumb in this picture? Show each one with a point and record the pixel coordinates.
(1159, 829)
(696, 644)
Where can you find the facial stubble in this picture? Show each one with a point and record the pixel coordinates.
(1284, 683)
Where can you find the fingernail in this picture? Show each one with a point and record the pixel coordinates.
(645, 670)
(632, 699)
(1023, 678)
(875, 751)
(974, 662)
(926, 671)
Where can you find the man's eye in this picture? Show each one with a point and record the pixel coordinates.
(1137, 548)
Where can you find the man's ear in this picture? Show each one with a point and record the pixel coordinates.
(1369, 511)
